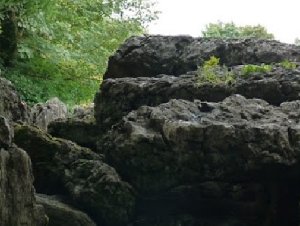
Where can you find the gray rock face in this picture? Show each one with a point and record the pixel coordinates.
(6, 133)
(230, 149)
(83, 131)
(153, 55)
(44, 113)
(49, 157)
(117, 97)
(11, 106)
(83, 112)
(80, 127)
(17, 202)
(100, 191)
(62, 167)
(61, 214)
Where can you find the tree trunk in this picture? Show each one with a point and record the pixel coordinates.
(9, 38)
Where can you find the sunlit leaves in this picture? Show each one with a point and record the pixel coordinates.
(230, 30)
(65, 44)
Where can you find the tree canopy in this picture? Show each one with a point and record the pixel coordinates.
(60, 47)
(230, 30)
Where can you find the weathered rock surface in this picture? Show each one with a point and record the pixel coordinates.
(6, 133)
(83, 112)
(61, 214)
(17, 202)
(49, 157)
(11, 106)
(44, 113)
(149, 56)
(237, 159)
(99, 190)
(82, 131)
(79, 127)
(117, 97)
(62, 167)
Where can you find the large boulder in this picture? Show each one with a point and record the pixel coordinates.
(6, 133)
(117, 97)
(50, 157)
(83, 112)
(82, 131)
(237, 159)
(62, 167)
(149, 56)
(79, 127)
(11, 105)
(17, 202)
(18, 206)
(99, 190)
(61, 214)
(44, 113)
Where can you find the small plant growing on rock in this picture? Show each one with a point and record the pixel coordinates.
(212, 72)
(249, 69)
(286, 64)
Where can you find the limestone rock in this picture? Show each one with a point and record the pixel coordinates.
(149, 56)
(44, 113)
(187, 140)
(82, 131)
(225, 151)
(11, 106)
(6, 133)
(117, 97)
(62, 167)
(61, 214)
(83, 112)
(50, 157)
(98, 189)
(17, 202)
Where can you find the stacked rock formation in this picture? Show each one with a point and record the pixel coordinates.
(17, 201)
(167, 150)
(203, 154)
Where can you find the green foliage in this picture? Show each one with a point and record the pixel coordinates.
(212, 72)
(286, 64)
(64, 47)
(35, 89)
(297, 42)
(212, 62)
(230, 30)
(249, 69)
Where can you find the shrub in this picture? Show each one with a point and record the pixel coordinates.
(249, 69)
(288, 65)
(212, 72)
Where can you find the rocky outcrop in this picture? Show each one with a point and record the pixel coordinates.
(82, 131)
(171, 149)
(236, 160)
(61, 214)
(62, 167)
(17, 202)
(49, 157)
(6, 133)
(149, 56)
(79, 127)
(44, 113)
(83, 112)
(99, 190)
(11, 106)
(117, 97)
